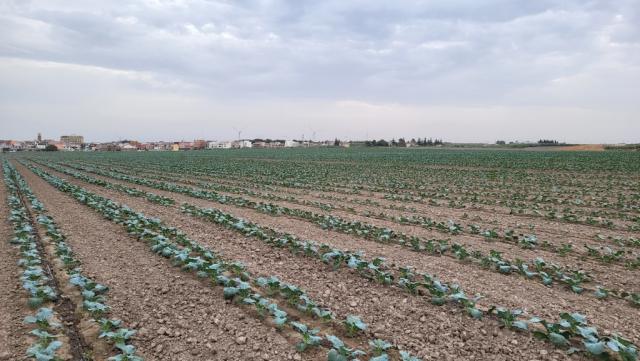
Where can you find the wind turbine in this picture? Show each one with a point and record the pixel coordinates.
(239, 132)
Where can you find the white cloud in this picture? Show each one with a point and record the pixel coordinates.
(361, 59)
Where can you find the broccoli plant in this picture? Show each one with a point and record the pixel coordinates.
(236, 287)
(460, 252)
(118, 337)
(469, 304)
(309, 336)
(379, 347)
(340, 352)
(634, 298)
(127, 353)
(279, 316)
(565, 249)
(353, 325)
(509, 318)
(42, 319)
(45, 351)
(406, 356)
(601, 293)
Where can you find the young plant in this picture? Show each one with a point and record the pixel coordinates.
(340, 352)
(42, 319)
(353, 325)
(309, 336)
(45, 351)
(379, 347)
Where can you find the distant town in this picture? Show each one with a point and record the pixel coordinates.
(77, 143)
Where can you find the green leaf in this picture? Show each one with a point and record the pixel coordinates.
(333, 355)
(522, 325)
(594, 348)
(557, 339)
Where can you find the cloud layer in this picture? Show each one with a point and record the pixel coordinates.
(464, 70)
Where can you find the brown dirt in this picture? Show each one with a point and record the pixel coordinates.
(371, 300)
(177, 316)
(621, 279)
(13, 300)
(584, 147)
(511, 290)
(493, 215)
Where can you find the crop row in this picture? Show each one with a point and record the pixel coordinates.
(570, 328)
(92, 294)
(603, 254)
(33, 278)
(398, 190)
(238, 284)
(539, 269)
(565, 214)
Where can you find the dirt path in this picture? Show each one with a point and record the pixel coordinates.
(13, 342)
(178, 317)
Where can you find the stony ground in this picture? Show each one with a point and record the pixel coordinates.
(182, 318)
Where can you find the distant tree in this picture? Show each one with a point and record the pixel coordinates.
(51, 148)
(382, 143)
(547, 142)
(336, 142)
(501, 142)
(393, 142)
(402, 143)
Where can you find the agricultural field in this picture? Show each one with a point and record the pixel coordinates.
(320, 254)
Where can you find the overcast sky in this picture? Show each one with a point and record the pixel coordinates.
(460, 70)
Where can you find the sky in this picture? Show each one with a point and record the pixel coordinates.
(461, 70)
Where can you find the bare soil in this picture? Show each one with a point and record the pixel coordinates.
(177, 316)
(433, 332)
(620, 279)
(13, 300)
(507, 290)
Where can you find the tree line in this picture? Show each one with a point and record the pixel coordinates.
(401, 142)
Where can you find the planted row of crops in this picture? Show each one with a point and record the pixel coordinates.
(331, 256)
(47, 332)
(514, 201)
(40, 280)
(622, 201)
(544, 272)
(604, 254)
(404, 278)
(238, 284)
(416, 283)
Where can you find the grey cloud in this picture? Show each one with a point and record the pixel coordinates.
(497, 53)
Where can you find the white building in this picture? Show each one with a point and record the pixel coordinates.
(219, 145)
(291, 144)
(128, 146)
(242, 144)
